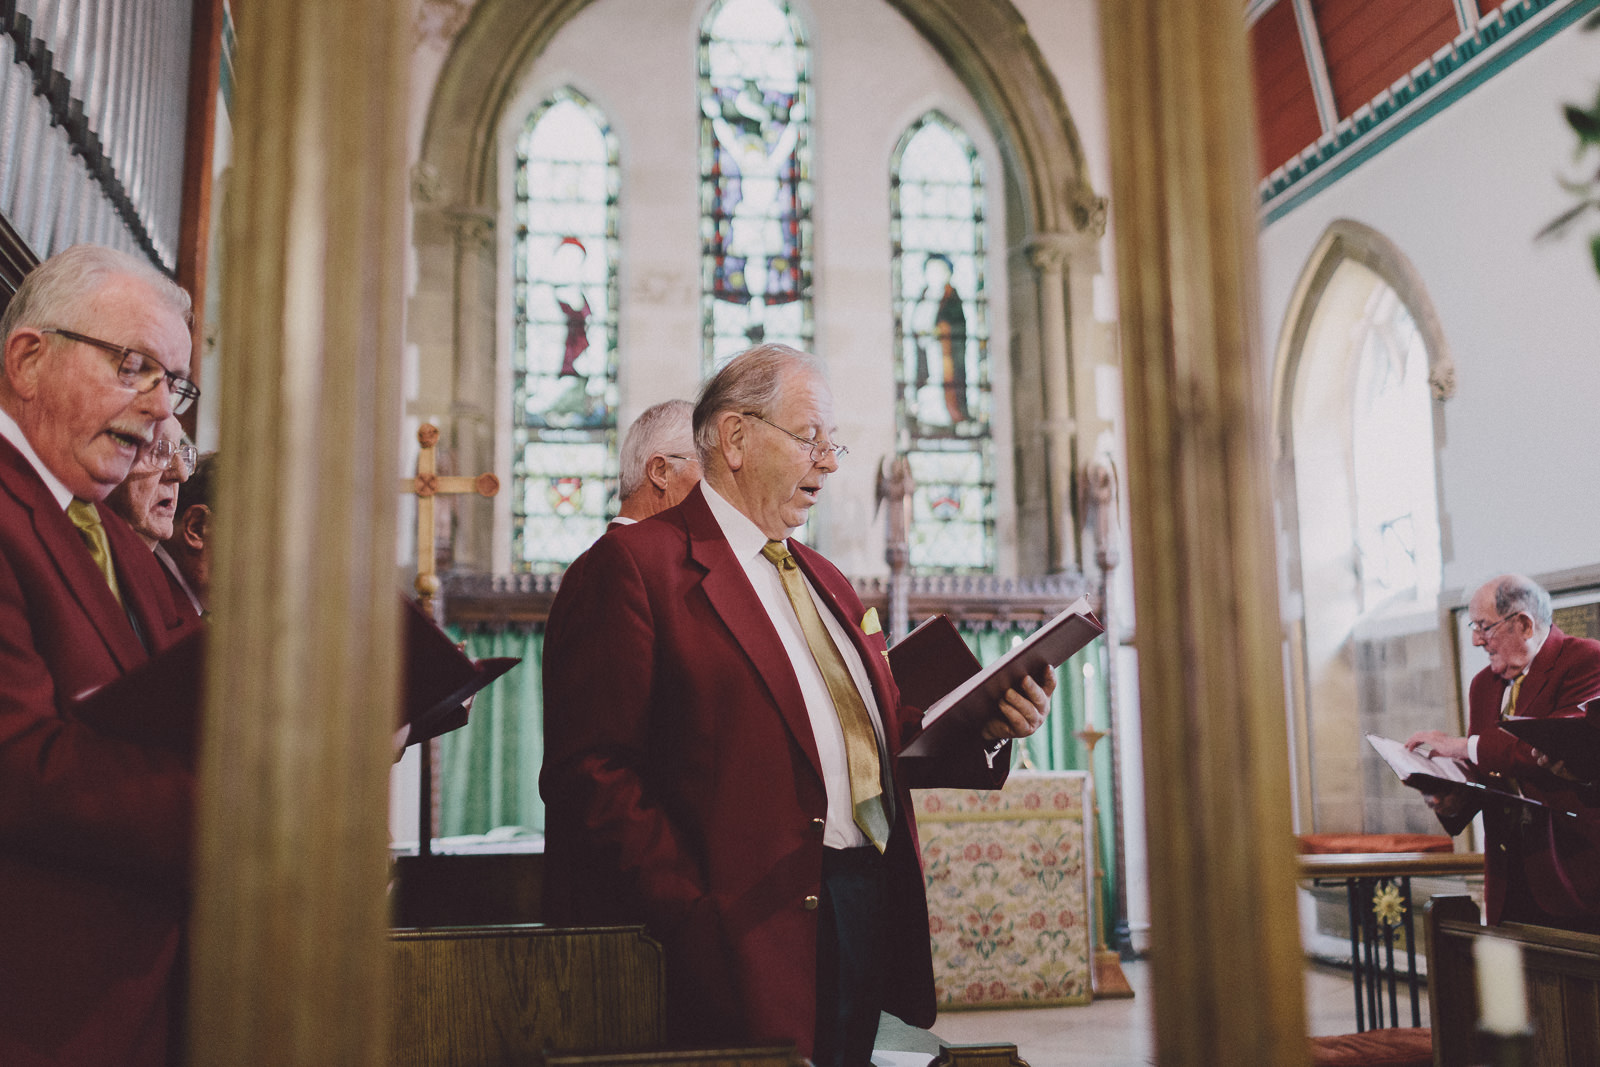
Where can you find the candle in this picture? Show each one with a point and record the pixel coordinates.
(1502, 996)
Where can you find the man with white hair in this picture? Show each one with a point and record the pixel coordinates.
(658, 461)
(94, 830)
(723, 739)
(1538, 868)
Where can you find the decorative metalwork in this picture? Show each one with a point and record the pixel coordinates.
(564, 335)
(941, 310)
(755, 179)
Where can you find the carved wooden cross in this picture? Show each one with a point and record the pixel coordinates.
(427, 484)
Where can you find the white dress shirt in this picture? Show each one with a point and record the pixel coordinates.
(747, 541)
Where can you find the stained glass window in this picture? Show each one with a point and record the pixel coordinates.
(564, 347)
(1397, 514)
(942, 346)
(755, 179)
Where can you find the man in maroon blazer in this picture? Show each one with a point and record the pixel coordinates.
(94, 832)
(1538, 868)
(657, 463)
(700, 774)
(148, 499)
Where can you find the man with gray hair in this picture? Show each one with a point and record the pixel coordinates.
(1538, 867)
(723, 739)
(94, 829)
(658, 463)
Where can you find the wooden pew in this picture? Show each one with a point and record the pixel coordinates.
(493, 889)
(1563, 978)
(488, 996)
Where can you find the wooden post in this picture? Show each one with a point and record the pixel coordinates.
(1226, 965)
(291, 918)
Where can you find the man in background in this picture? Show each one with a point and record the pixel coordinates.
(186, 555)
(94, 830)
(148, 499)
(1538, 868)
(658, 462)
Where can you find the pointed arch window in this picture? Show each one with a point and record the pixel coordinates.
(564, 336)
(755, 179)
(941, 317)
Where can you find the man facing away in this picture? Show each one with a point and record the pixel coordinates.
(1538, 868)
(94, 831)
(148, 499)
(722, 739)
(658, 462)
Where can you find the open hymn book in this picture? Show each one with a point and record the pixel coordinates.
(937, 672)
(1441, 776)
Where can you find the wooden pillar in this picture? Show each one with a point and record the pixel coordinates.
(289, 950)
(1226, 965)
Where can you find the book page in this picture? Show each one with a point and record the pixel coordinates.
(1406, 762)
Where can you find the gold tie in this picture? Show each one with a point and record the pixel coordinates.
(860, 739)
(1511, 703)
(87, 520)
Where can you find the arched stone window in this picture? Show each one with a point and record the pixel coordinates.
(564, 333)
(755, 179)
(941, 309)
(1363, 372)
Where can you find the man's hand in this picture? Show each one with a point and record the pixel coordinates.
(1439, 743)
(1555, 766)
(1021, 710)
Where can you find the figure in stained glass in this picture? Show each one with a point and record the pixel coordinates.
(564, 347)
(755, 179)
(939, 334)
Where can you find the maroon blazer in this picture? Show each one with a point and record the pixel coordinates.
(94, 832)
(1560, 857)
(682, 783)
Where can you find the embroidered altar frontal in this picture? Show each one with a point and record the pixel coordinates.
(1009, 875)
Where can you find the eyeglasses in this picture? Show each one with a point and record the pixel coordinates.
(686, 459)
(140, 372)
(818, 448)
(1484, 629)
(164, 455)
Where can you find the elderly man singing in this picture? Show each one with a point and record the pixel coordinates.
(94, 831)
(1538, 867)
(722, 743)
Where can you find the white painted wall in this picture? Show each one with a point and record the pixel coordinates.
(1463, 196)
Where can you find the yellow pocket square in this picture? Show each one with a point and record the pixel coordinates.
(869, 622)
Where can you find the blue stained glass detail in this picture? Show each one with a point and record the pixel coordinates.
(943, 394)
(755, 179)
(564, 333)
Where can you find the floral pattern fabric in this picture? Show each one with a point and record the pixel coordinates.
(1008, 875)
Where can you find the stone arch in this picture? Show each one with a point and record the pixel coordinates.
(1054, 239)
(1332, 668)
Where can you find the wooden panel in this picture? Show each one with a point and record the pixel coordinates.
(482, 996)
(1370, 43)
(1563, 982)
(495, 889)
(1286, 110)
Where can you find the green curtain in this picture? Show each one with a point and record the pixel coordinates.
(489, 769)
(1080, 701)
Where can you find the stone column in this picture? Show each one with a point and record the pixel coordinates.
(289, 928)
(1048, 253)
(472, 407)
(1226, 965)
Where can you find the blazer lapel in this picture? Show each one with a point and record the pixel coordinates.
(727, 588)
(1531, 697)
(826, 580)
(64, 545)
